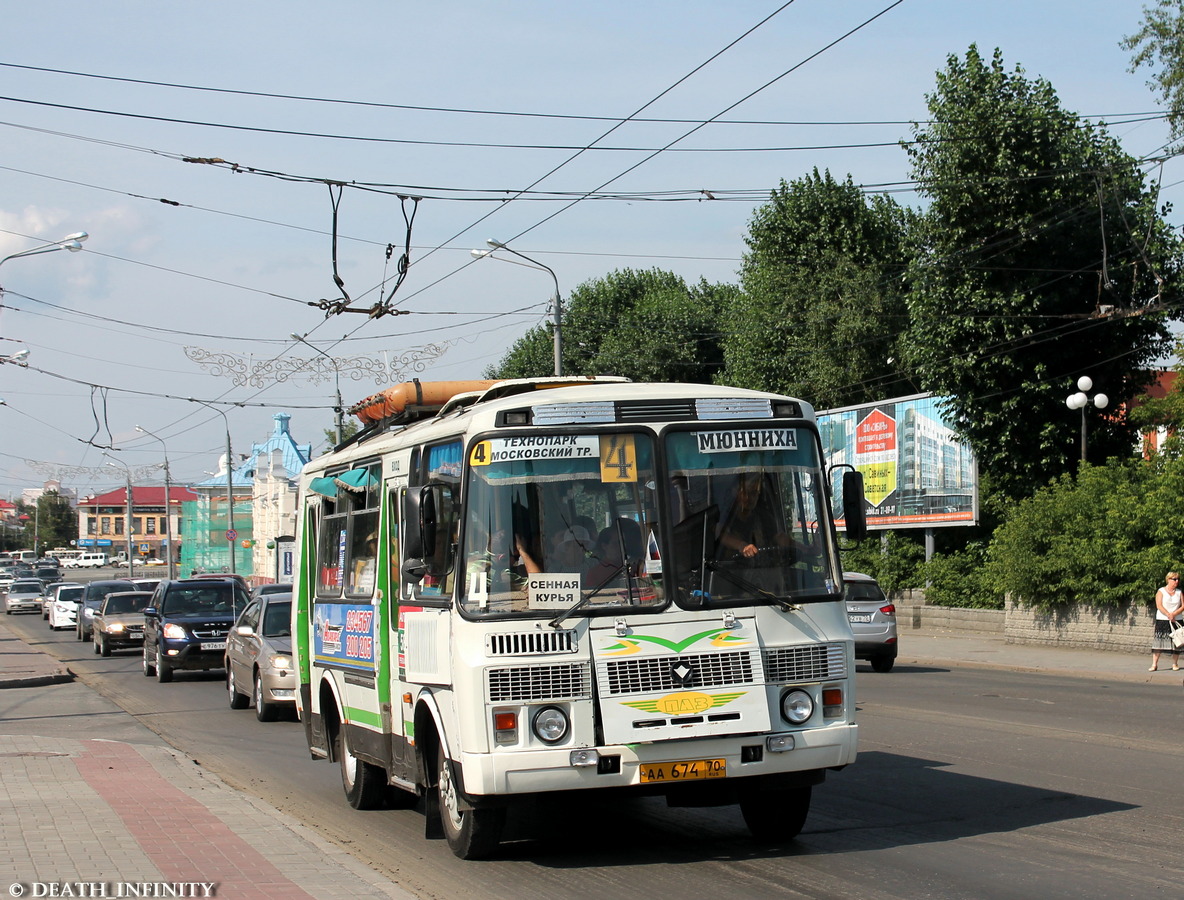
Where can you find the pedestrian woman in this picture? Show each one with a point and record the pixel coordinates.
(1169, 607)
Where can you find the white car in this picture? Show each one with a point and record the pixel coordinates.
(63, 605)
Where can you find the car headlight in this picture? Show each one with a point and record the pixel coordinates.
(280, 661)
(550, 724)
(796, 707)
(174, 632)
(114, 628)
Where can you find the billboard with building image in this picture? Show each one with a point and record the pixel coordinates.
(915, 472)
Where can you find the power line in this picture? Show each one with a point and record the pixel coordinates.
(271, 95)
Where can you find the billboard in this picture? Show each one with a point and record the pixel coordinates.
(915, 473)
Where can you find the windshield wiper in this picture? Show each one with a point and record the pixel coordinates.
(745, 585)
(559, 619)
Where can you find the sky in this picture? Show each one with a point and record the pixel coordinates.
(199, 146)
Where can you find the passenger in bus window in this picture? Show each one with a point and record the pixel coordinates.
(607, 561)
(751, 525)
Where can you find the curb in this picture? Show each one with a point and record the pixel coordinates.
(58, 676)
(1027, 669)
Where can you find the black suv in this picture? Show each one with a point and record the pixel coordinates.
(186, 623)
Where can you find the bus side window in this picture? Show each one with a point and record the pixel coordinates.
(331, 550)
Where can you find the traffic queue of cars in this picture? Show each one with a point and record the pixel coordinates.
(202, 623)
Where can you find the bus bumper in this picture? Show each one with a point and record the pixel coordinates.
(537, 771)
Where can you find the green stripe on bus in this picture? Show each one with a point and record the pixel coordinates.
(363, 717)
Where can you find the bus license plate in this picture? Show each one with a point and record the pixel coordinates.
(213, 645)
(857, 620)
(691, 770)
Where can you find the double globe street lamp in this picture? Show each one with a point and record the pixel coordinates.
(1081, 400)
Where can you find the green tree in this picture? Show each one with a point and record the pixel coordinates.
(52, 521)
(1165, 412)
(644, 325)
(349, 428)
(822, 308)
(1044, 258)
(1100, 539)
(1161, 40)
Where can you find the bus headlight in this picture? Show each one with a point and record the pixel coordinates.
(550, 724)
(796, 707)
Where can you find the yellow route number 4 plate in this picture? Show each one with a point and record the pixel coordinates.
(691, 770)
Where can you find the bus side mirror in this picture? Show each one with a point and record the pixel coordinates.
(428, 520)
(421, 527)
(853, 507)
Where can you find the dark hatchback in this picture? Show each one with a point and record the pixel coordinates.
(186, 624)
(92, 599)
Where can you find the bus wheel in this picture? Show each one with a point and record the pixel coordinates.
(775, 815)
(364, 784)
(471, 833)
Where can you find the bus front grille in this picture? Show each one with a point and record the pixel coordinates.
(569, 681)
(640, 675)
(526, 643)
(814, 662)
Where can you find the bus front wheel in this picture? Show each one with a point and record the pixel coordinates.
(471, 833)
(775, 815)
(364, 784)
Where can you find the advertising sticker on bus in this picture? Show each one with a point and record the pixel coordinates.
(344, 635)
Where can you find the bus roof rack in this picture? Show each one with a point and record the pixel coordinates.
(411, 401)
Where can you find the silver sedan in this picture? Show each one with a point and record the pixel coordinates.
(259, 657)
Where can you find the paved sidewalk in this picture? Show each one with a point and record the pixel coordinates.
(89, 816)
(22, 666)
(72, 809)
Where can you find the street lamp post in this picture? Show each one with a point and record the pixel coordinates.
(127, 525)
(229, 482)
(336, 377)
(1081, 400)
(555, 305)
(168, 507)
(71, 242)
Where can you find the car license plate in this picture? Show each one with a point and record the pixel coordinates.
(213, 645)
(135, 635)
(856, 620)
(691, 770)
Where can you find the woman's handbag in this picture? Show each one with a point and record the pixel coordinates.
(1177, 634)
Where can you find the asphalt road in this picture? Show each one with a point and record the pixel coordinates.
(971, 783)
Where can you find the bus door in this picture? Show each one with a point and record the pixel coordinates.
(431, 531)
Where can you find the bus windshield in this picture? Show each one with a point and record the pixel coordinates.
(561, 524)
(749, 518)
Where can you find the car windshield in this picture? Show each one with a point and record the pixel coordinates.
(210, 598)
(71, 594)
(25, 587)
(277, 619)
(747, 506)
(120, 604)
(561, 524)
(97, 592)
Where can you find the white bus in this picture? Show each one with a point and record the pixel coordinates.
(518, 587)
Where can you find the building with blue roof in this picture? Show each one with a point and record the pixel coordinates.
(263, 488)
